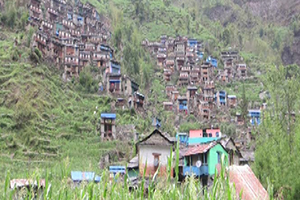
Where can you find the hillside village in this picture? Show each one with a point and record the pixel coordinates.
(75, 36)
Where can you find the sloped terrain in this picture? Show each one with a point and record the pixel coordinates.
(44, 119)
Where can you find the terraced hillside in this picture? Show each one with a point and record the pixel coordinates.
(45, 120)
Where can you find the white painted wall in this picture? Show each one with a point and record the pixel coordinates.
(146, 153)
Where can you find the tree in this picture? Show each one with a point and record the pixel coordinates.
(226, 37)
(278, 144)
(86, 80)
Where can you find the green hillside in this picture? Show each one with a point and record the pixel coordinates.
(45, 120)
(47, 123)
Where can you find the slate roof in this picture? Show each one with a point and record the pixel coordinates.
(246, 181)
(164, 136)
(247, 156)
(224, 142)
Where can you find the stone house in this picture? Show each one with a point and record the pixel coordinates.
(153, 153)
(108, 126)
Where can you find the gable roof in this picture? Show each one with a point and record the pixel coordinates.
(225, 140)
(246, 181)
(165, 137)
(202, 148)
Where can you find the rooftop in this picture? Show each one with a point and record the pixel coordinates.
(108, 115)
(199, 149)
(246, 182)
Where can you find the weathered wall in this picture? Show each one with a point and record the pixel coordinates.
(146, 155)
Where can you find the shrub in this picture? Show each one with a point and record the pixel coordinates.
(86, 81)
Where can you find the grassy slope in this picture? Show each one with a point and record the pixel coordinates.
(44, 120)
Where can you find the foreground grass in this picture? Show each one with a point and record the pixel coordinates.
(60, 186)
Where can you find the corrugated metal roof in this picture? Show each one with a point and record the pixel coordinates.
(245, 180)
(202, 148)
(108, 115)
(25, 182)
(82, 176)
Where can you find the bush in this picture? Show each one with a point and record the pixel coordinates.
(36, 55)
(29, 36)
(86, 81)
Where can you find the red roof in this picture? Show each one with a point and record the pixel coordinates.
(198, 149)
(245, 180)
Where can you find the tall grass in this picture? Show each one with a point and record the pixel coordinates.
(60, 187)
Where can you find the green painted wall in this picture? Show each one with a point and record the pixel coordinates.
(213, 158)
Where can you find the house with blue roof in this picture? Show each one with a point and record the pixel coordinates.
(116, 171)
(192, 42)
(78, 177)
(108, 126)
(255, 116)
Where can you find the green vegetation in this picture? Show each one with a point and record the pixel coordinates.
(277, 145)
(59, 186)
(44, 120)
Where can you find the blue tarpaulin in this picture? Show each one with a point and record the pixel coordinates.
(108, 115)
(82, 176)
(117, 169)
(97, 179)
(104, 48)
(212, 61)
(182, 107)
